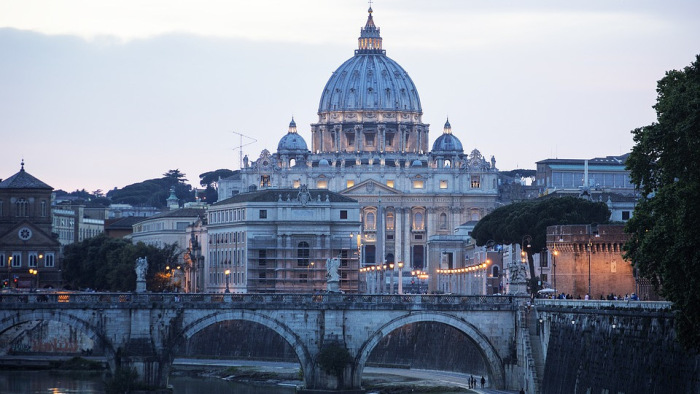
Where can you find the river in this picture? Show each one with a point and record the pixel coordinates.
(55, 382)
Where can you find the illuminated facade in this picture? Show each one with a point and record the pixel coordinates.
(370, 144)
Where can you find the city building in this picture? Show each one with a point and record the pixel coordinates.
(29, 251)
(77, 222)
(279, 240)
(168, 228)
(370, 144)
(602, 174)
(587, 259)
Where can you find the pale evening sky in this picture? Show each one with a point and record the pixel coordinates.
(102, 94)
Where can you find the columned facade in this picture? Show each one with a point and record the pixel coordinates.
(370, 144)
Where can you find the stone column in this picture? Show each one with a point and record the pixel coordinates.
(407, 235)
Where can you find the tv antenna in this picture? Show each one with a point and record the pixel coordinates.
(241, 145)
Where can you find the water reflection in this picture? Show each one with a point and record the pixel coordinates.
(42, 382)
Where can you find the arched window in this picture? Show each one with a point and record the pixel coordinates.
(370, 221)
(443, 221)
(292, 162)
(448, 163)
(389, 220)
(22, 208)
(494, 271)
(418, 221)
(303, 251)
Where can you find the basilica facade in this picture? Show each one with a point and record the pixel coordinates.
(370, 144)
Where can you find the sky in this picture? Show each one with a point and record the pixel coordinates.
(103, 94)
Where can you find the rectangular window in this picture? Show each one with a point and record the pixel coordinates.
(369, 139)
(543, 278)
(297, 183)
(262, 257)
(263, 214)
(2, 259)
(349, 183)
(350, 138)
(543, 260)
(390, 183)
(476, 182)
(322, 184)
(343, 214)
(418, 184)
(264, 181)
(625, 215)
(443, 184)
(389, 140)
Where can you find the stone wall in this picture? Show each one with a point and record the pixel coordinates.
(614, 351)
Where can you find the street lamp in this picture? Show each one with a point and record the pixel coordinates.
(555, 253)
(35, 273)
(400, 264)
(227, 273)
(592, 230)
(309, 273)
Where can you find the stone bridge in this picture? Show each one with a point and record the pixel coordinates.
(141, 330)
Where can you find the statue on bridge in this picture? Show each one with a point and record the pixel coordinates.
(141, 269)
(332, 276)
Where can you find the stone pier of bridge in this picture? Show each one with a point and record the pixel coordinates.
(142, 330)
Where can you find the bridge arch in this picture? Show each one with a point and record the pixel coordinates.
(70, 319)
(280, 328)
(493, 360)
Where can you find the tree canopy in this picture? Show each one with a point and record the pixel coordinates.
(510, 224)
(153, 192)
(108, 264)
(665, 166)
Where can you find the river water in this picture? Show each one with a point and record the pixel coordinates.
(53, 382)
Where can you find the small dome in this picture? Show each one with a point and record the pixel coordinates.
(292, 143)
(417, 163)
(323, 163)
(447, 142)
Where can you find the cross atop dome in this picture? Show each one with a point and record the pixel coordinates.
(370, 41)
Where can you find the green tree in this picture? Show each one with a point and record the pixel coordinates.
(108, 264)
(511, 224)
(665, 166)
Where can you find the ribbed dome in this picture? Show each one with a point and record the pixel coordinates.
(447, 142)
(292, 143)
(370, 80)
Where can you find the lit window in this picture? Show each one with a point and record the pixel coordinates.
(418, 221)
(349, 183)
(322, 184)
(370, 223)
(390, 183)
(297, 183)
(476, 182)
(443, 184)
(418, 184)
(264, 181)
(390, 221)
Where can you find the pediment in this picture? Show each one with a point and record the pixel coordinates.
(370, 187)
(27, 234)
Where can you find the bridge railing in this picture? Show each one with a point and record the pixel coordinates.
(300, 300)
(604, 304)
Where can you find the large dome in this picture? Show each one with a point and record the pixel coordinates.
(370, 80)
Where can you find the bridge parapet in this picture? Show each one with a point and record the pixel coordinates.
(325, 301)
(605, 304)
